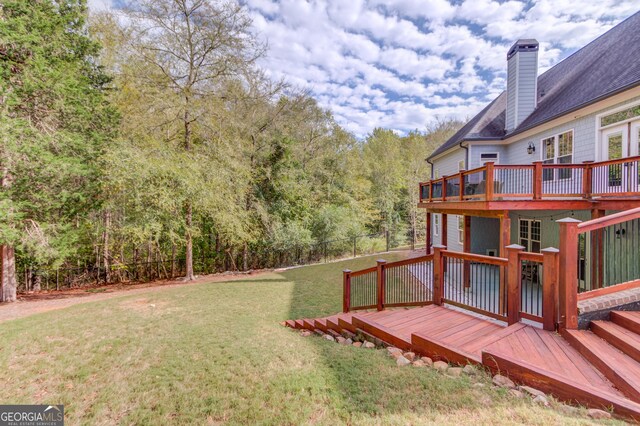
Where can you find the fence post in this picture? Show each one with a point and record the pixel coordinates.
(537, 180)
(346, 290)
(381, 274)
(568, 269)
(514, 283)
(549, 288)
(438, 273)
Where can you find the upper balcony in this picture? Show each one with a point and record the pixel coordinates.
(612, 185)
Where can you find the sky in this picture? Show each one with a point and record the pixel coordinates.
(403, 64)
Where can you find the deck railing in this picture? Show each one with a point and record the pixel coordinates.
(597, 257)
(496, 287)
(536, 181)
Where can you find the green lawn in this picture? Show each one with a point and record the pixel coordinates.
(215, 353)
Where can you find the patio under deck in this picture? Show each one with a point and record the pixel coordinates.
(530, 355)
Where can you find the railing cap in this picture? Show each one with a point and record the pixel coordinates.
(439, 246)
(568, 220)
(515, 247)
(381, 261)
(550, 250)
(347, 271)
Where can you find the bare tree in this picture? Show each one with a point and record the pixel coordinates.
(195, 45)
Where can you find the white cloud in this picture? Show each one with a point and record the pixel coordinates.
(400, 64)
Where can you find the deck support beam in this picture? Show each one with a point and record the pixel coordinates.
(568, 284)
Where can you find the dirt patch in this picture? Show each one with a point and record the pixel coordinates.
(33, 303)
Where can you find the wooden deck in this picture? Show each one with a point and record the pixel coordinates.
(599, 367)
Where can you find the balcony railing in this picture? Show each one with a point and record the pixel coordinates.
(537, 181)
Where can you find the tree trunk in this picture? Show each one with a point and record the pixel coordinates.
(245, 257)
(189, 249)
(37, 282)
(8, 283)
(173, 260)
(105, 247)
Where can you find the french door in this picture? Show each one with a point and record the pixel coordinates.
(617, 143)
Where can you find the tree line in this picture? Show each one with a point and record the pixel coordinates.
(144, 132)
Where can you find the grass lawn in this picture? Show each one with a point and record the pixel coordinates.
(215, 353)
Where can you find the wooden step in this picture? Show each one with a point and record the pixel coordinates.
(299, 325)
(290, 323)
(561, 387)
(620, 337)
(439, 350)
(321, 324)
(628, 320)
(621, 370)
(309, 324)
(381, 332)
(345, 324)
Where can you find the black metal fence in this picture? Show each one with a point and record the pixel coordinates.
(95, 274)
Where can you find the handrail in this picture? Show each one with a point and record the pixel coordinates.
(612, 219)
(491, 260)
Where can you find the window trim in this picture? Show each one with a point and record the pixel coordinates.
(436, 224)
(613, 111)
(460, 229)
(529, 239)
(483, 162)
(461, 162)
(556, 151)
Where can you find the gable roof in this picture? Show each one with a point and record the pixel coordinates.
(606, 66)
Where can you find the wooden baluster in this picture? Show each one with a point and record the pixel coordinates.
(568, 267)
(381, 273)
(550, 288)
(489, 182)
(537, 180)
(514, 283)
(438, 273)
(346, 290)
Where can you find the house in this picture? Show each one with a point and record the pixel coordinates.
(565, 143)
(532, 266)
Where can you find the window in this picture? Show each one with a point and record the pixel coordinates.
(461, 165)
(619, 116)
(436, 225)
(461, 229)
(557, 149)
(530, 235)
(488, 157)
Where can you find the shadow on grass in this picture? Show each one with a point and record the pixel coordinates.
(366, 383)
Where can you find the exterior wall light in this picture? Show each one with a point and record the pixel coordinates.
(531, 148)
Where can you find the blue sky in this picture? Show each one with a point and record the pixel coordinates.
(401, 64)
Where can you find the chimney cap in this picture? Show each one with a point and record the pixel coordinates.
(523, 45)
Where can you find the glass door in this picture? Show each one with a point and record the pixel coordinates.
(615, 147)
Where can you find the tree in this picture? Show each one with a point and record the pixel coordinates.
(193, 47)
(53, 125)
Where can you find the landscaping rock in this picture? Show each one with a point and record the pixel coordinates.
(516, 393)
(394, 352)
(454, 371)
(341, 340)
(329, 338)
(418, 363)
(305, 333)
(532, 391)
(541, 399)
(594, 413)
(318, 332)
(357, 344)
(368, 345)
(427, 361)
(410, 356)
(502, 381)
(441, 366)
(469, 369)
(347, 342)
(478, 385)
(402, 361)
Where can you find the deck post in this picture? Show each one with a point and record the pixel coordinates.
(438, 273)
(428, 234)
(444, 188)
(489, 182)
(514, 282)
(537, 180)
(568, 267)
(587, 179)
(346, 290)
(550, 288)
(381, 282)
(461, 185)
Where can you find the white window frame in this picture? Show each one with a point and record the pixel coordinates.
(496, 161)
(436, 173)
(529, 240)
(461, 229)
(556, 151)
(436, 225)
